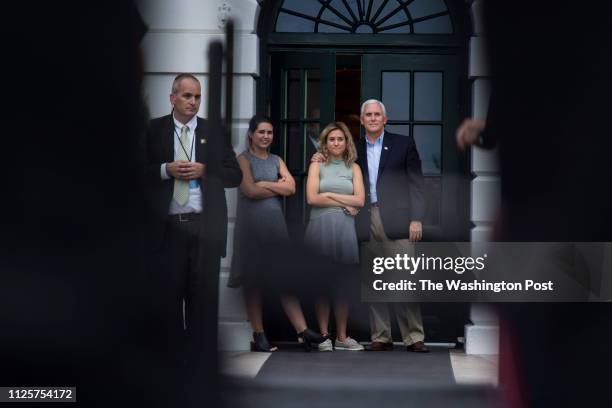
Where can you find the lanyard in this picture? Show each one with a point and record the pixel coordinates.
(189, 155)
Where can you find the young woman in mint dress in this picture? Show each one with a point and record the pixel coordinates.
(335, 191)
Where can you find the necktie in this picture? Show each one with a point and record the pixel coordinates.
(181, 187)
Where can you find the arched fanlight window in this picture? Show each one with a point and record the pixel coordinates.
(364, 17)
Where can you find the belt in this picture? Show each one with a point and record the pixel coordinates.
(376, 204)
(185, 217)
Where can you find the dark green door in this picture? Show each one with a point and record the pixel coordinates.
(303, 89)
(421, 95)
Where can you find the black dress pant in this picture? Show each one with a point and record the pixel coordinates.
(184, 297)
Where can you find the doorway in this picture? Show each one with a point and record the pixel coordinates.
(421, 94)
(321, 60)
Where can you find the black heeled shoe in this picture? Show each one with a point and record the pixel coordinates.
(260, 343)
(309, 337)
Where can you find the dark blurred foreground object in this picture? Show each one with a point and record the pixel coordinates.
(549, 113)
(72, 312)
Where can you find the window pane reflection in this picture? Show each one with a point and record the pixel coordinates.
(428, 96)
(396, 94)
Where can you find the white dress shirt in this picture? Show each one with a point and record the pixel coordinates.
(374, 150)
(194, 203)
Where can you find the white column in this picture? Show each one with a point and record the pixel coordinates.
(482, 336)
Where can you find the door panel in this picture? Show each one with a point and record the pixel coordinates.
(303, 95)
(421, 94)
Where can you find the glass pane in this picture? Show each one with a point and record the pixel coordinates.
(330, 16)
(396, 94)
(422, 8)
(288, 23)
(341, 8)
(324, 28)
(353, 5)
(438, 25)
(309, 7)
(375, 6)
(428, 96)
(294, 143)
(292, 102)
(405, 29)
(433, 200)
(429, 144)
(364, 29)
(313, 93)
(398, 17)
(403, 130)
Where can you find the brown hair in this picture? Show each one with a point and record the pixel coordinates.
(254, 124)
(350, 154)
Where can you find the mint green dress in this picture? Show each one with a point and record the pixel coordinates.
(330, 231)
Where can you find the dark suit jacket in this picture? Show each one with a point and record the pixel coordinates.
(400, 186)
(159, 148)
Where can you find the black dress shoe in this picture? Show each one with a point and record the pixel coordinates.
(418, 347)
(260, 343)
(309, 337)
(379, 346)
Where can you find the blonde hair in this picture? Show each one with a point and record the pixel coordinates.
(350, 153)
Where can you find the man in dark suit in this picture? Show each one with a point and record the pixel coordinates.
(393, 220)
(187, 225)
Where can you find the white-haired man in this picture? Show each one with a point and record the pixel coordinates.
(393, 220)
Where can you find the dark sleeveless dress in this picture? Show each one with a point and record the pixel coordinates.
(260, 227)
